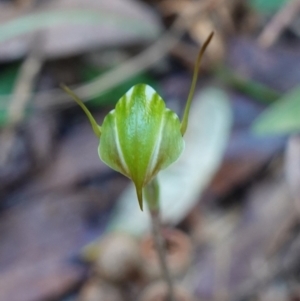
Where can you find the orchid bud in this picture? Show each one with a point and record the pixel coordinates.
(141, 136)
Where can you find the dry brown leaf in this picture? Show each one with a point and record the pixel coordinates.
(72, 27)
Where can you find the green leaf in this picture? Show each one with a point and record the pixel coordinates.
(140, 137)
(283, 117)
(267, 6)
(249, 87)
(7, 80)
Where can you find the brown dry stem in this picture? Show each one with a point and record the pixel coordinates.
(22, 94)
(278, 23)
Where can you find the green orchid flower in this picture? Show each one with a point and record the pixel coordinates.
(141, 136)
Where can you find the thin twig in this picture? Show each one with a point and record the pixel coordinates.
(22, 94)
(161, 252)
(292, 171)
(278, 23)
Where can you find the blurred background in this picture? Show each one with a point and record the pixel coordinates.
(235, 192)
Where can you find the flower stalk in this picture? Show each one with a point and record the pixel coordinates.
(151, 192)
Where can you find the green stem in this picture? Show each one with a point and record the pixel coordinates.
(152, 198)
(185, 118)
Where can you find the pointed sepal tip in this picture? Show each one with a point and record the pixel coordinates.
(139, 192)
